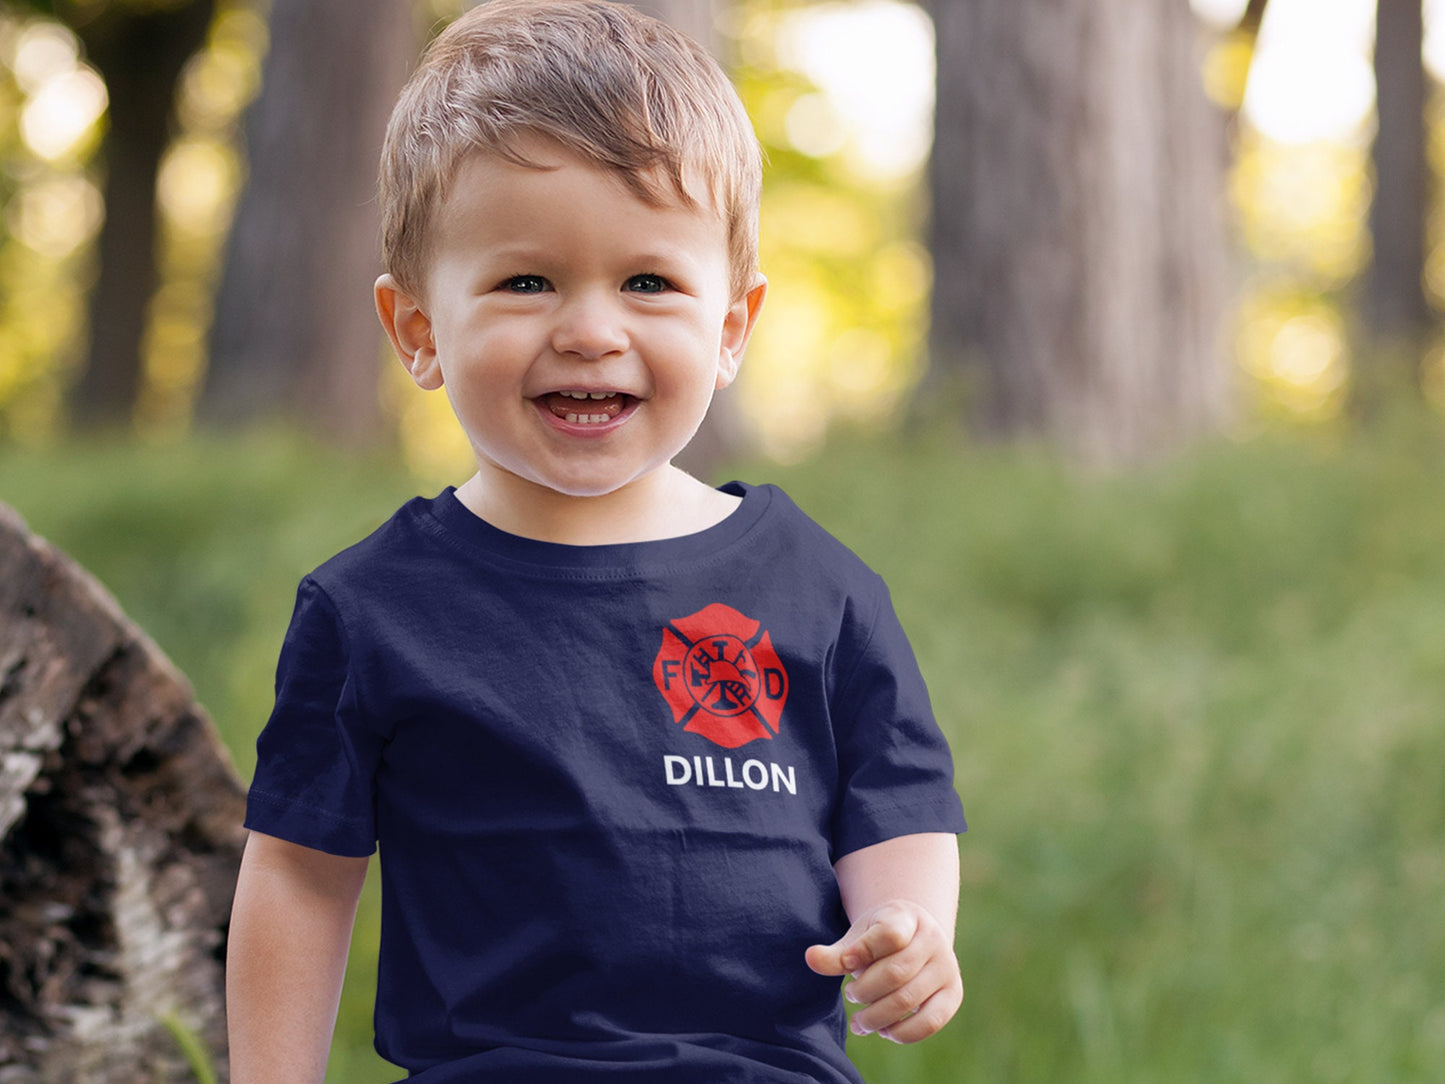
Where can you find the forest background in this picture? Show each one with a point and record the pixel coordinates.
(1109, 335)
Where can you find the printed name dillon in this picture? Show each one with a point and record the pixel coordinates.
(702, 771)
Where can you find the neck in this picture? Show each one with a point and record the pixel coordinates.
(666, 503)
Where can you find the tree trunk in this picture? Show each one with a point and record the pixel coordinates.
(1078, 246)
(1398, 313)
(295, 334)
(140, 57)
(120, 837)
(1245, 32)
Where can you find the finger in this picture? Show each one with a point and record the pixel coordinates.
(889, 974)
(930, 1018)
(865, 940)
(901, 999)
(827, 959)
(887, 932)
(842, 957)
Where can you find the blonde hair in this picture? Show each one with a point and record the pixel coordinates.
(622, 90)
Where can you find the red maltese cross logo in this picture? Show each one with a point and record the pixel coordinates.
(719, 674)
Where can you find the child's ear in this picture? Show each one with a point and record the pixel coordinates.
(742, 315)
(410, 330)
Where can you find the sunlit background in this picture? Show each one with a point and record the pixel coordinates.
(1195, 705)
(841, 93)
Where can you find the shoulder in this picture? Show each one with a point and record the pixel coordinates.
(813, 545)
(392, 551)
(810, 582)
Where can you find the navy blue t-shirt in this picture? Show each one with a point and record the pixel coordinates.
(608, 784)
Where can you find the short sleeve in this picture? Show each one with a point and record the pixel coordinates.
(895, 766)
(315, 760)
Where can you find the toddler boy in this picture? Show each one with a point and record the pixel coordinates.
(636, 751)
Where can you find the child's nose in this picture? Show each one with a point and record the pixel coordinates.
(589, 326)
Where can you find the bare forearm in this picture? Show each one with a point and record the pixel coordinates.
(902, 898)
(922, 868)
(290, 934)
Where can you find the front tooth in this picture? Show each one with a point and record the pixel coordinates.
(572, 419)
(602, 395)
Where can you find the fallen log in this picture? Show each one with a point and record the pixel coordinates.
(120, 837)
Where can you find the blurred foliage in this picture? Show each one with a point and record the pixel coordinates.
(51, 116)
(1195, 710)
(844, 333)
(84, 10)
(52, 209)
(1195, 715)
(205, 542)
(843, 338)
(1301, 214)
(197, 190)
(847, 322)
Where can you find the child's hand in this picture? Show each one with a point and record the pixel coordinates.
(903, 969)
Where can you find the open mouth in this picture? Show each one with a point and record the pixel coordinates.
(586, 408)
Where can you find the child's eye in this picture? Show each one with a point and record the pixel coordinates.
(648, 284)
(526, 284)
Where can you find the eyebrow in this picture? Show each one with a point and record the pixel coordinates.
(524, 253)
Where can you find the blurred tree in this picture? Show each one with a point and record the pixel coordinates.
(1252, 17)
(1076, 234)
(294, 332)
(1397, 312)
(140, 48)
(1246, 35)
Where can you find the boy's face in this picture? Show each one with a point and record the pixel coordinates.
(580, 333)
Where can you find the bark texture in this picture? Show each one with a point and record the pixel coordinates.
(1077, 233)
(295, 333)
(120, 837)
(1399, 314)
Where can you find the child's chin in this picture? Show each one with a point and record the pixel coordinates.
(583, 487)
(604, 485)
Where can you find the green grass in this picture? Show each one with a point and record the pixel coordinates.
(1198, 713)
